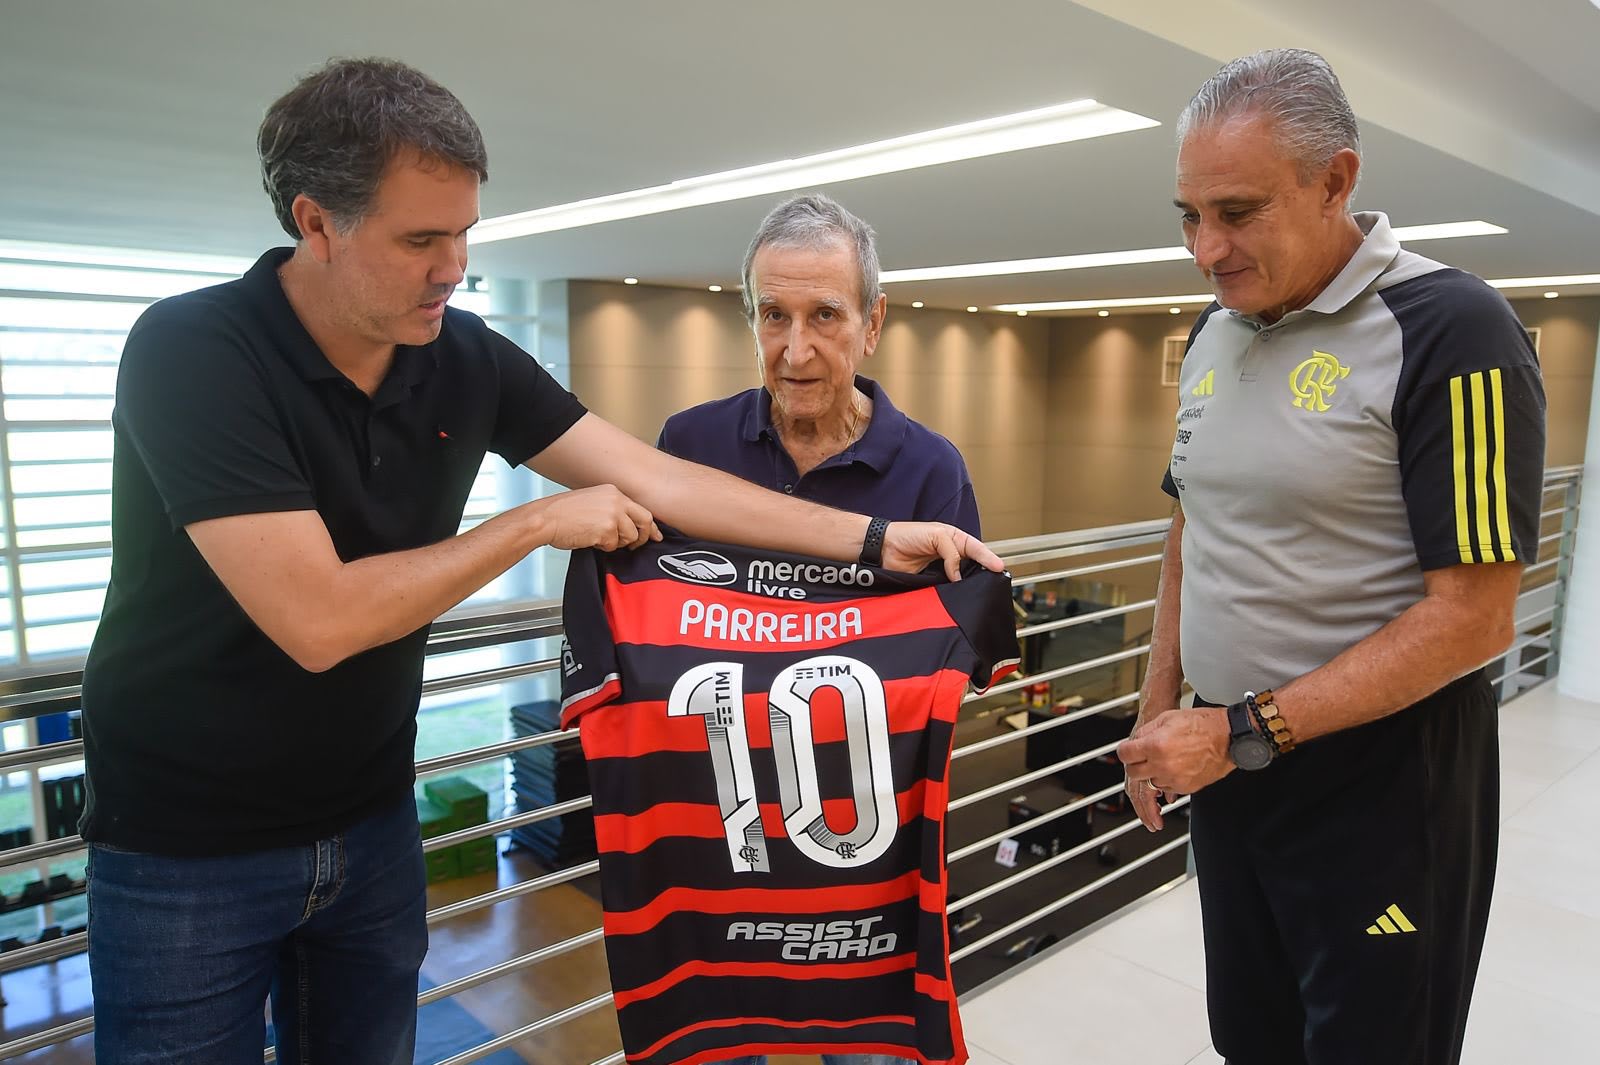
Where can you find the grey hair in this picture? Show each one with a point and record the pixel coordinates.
(1296, 90)
(819, 222)
(333, 134)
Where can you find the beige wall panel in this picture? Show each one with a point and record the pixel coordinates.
(639, 354)
(1064, 422)
(1567, 340)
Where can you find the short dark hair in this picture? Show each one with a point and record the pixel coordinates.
(333, 134)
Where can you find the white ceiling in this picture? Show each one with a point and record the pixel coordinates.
(133, 124)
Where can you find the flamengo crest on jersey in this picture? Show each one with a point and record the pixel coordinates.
(768, 740)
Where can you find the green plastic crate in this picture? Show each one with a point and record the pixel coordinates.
(443, 865)
(467, 803)
(434, 819)
(478, 856)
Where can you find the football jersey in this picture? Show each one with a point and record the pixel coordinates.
(768, 739)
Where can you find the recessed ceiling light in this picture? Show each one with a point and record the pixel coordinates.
(1104, 314)
(972, 310)
(1097, 259)
(1551, 295)
(916, 303)
(1057, 124)
(714, 288)
(630, 281)
(1448, 231)
(1022, 314)
(1174, 310)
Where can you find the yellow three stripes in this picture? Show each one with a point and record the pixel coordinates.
(1475, 470)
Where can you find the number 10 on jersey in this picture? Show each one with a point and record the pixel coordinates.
(715, 691)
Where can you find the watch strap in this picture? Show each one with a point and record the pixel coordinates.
(872, 545)
(1239, 720)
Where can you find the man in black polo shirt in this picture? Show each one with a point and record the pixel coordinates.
(293, 452)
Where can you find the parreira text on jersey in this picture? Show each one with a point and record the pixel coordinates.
(717, 621)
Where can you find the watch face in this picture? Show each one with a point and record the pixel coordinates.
(1250, 752)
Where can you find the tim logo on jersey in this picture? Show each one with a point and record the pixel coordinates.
(701, 567)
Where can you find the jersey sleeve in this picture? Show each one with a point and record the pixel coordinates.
(589, 674)
(980, 603)
(200, 417)
(1469, 415)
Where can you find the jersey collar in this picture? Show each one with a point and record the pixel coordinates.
(294, 343)
(1375, 255)
(878, 446)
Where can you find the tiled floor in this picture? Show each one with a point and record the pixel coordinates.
(1132, 992)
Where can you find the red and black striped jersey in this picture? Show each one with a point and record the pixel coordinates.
(768, 739)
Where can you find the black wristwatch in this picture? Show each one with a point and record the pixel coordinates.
(872, 546)
(1247, 747)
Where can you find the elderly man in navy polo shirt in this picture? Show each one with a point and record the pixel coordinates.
(817, 429)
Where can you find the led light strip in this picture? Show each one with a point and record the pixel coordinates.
(1058, 124)
(1553, 281)
(1094, 260)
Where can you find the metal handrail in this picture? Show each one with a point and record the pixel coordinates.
(1067, 900)
(1084, 571)
(462, 629)
(39, 953)
(1084, 619)
(47, 1038)
(1029, 777)
(526, 621)
(1056, 674)
(493, 972)
(1522, 667)
(1093, 843)
(1055, 722)
(513, 891)
(981, 845)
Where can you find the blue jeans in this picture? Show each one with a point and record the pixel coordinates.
(831, 1059)
(184, 952)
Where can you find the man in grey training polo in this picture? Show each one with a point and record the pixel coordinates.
(1357, 465)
